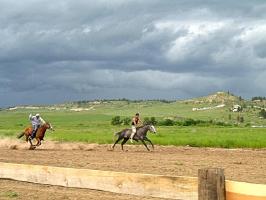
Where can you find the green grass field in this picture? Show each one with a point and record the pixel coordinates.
(94, 126)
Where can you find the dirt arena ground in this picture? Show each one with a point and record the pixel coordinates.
(240, 165)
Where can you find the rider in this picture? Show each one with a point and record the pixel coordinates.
(36, 122)
(135, 121)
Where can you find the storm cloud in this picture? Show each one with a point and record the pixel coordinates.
(56, 51)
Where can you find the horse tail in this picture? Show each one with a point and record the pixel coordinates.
(114, 135)
(117, 133)
(20, 135)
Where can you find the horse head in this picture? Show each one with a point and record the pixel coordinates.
(152, 128)
(49, 126)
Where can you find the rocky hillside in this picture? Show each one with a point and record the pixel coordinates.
(218, 97)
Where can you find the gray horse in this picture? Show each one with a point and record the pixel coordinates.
(141, 135)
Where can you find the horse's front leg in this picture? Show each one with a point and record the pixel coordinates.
(30, 142)
(145, 144)
(38, 142)
(31, 145)
(147, 139)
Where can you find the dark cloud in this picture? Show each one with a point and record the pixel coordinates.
(134, 49)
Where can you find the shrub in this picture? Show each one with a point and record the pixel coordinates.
(179, 123)
(167, 122)
(146, 120)
(221, 124)
(151, 120)
(192, 122)
(247, 125)
(116, 120)
(189, 122)
(126, 121)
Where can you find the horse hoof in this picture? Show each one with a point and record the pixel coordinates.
(32, 148)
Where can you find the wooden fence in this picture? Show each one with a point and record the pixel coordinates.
(209, 185)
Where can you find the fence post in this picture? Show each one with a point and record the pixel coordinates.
(211, 185)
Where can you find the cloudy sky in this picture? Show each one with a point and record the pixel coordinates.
(63, 50)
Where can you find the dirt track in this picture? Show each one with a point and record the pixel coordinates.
(239, 164)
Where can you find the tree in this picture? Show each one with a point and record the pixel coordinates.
(262, 113)
(241, 119)
(258, 98)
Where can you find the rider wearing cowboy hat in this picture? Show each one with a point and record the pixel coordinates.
(135, 121)
(36, 122)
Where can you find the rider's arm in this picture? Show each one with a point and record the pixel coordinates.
(134, 122)
(42, 121)
(30, 117)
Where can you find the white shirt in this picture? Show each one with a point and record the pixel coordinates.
(35, 121)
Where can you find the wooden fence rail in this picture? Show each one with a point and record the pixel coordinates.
(210, 185)
(245, 191)
(118, 182)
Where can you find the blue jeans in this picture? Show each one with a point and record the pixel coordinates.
(34, 130)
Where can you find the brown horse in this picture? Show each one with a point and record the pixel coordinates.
(39, 135)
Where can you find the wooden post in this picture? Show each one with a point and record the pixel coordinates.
(211, 185)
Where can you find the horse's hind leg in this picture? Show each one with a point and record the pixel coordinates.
(145, 145)
(124, 142)
(116, 142)
(147, 139)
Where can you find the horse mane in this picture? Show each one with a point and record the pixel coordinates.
(45, 123)
(142, 126)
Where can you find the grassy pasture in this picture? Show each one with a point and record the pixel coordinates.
(94, 126)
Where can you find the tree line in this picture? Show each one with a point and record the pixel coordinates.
(258, 98)
(117, 120)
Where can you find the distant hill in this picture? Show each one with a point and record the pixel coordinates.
(218, 97)
(217, 107)
(215, 98)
